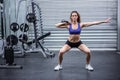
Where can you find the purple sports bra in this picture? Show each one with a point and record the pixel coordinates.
(76, 31)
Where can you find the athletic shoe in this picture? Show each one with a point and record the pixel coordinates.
(58, 67)
(89, 67)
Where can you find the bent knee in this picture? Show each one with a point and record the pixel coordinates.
(87, 51)
(61, 51)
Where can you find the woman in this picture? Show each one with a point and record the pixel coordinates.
(75, 27)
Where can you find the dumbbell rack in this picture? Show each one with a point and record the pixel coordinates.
(38, 45)
(36, 27)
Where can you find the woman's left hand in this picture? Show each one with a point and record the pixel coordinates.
(107, 20)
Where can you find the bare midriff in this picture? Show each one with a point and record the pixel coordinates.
(74, 38)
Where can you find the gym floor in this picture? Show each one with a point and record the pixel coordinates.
(106, 67)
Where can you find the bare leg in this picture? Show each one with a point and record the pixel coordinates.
(62, 51)
(86, 50)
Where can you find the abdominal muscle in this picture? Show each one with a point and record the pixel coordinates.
(74, 38)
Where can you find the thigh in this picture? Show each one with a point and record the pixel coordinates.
(65, 48)
(84, 48)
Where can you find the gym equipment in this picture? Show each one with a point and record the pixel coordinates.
(65, 21)
(1, 21)
(2, 48)
(23, 37)
(33, 41)
(13, 66)
(30, 17)
(36, 43)
(45, 51)
(11, 40)
(24, 27)
(1, 1)
(14, 26)
(34, 7)
(9, 55)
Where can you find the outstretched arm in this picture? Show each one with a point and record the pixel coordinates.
(87, 24)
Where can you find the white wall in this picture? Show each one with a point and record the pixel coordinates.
(98, 37)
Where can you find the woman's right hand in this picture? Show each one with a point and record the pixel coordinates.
(65, 22)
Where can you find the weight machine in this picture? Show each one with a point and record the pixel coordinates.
(31, 18)
(9, 52)
(26, 45)
(12, 40)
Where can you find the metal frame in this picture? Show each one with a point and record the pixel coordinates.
(1, 20)
(118, 25)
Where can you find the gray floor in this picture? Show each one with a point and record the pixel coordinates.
(35, 67)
